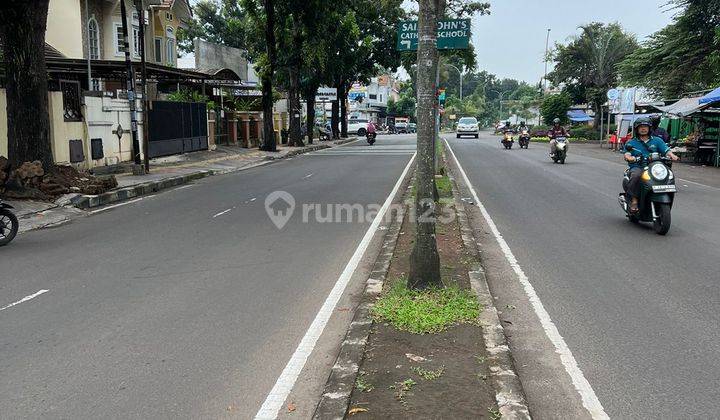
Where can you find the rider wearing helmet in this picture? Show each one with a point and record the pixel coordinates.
(507, 127)
(643, 145)
(556, 131)
(522, 126)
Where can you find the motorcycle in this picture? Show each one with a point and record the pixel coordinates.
(524, 139)
(8, 224)
(508, 140)
(657, 193)
(560, 150)
(370, 138)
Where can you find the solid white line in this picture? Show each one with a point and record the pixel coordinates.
(308, 176)
(222, 212)
(285, 383)
(125, 203)
(589, 399)
(25, 299)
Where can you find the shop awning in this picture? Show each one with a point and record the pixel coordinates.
(579, 116)
(713, 96)
(683, 107)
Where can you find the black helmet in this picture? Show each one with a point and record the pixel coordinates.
(556, 121)
(507, 123)
(642, 121)
(522, 122)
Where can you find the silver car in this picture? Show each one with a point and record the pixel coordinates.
(468, 126)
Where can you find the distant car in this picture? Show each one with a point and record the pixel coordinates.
(468, 126)
(358, 127)
(412, 127)
(402, 127)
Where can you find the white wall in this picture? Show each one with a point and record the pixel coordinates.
(103, 115)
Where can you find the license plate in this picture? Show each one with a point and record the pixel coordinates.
(664, 188)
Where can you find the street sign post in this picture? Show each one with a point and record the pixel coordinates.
(452, 34)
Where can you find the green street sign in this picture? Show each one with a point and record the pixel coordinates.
(452, 34)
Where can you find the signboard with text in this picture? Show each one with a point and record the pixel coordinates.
(452, 34)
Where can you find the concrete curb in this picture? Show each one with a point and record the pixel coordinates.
(90, 201)
(509, 393)
(335, 400)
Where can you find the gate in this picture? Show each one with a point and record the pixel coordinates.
(177, 127)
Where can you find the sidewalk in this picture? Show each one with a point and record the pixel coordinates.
(165, 172)
(701, 174)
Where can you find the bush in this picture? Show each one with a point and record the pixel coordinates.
(555, 106)
(585, 132)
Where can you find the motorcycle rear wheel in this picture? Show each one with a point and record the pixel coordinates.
(8, 226)
(661, 225)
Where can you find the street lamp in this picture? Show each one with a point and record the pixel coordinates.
(547, 44)
(500, 94)
(461, 78)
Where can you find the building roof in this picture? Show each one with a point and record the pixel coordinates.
(683, 107)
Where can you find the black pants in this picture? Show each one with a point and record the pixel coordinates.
(633, 188)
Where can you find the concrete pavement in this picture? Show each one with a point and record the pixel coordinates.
(189, 303)
(638, 311)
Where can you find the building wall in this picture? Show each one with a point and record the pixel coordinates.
(159, 29)
(103, 115)
(61, 131)
(96, 12)
(64, 27)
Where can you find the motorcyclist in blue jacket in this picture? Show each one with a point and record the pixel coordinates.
(643, 144)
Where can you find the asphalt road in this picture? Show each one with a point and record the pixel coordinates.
(640, 312)
(187, 304)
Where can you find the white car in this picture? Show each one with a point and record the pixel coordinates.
(468, 126)
(358, 127)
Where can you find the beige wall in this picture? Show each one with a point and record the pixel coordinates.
(61, 132)
(3, 124)
(64, 27)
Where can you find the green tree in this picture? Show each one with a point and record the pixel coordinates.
(555, 106)
(682, 57)
(405, 105)
(590, 59)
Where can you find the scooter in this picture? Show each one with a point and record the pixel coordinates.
(560, 150)
(370, 138)
(8, 224)
(508, 140)
(524, 139)
(657, 193)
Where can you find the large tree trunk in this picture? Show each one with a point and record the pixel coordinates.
(22, 27)
(310, 121)
(295, 136)
(335, 115)
(342, 97)
(424, 259)
(269, 144)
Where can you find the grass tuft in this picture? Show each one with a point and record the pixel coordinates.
(428, 375)
(427, 311)
(444, 186)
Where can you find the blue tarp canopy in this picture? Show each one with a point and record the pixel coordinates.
(713, 96)
(579, 116)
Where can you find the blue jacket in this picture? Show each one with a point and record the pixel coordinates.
(644, 149)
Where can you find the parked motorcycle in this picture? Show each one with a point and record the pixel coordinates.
(8, 224)
(560, 150)
(370, 138)
(508, 140)
(657, 193)
(524, 139)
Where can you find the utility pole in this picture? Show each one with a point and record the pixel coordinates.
(146, 102)
(424, 259)
(547, 45)
(87, 31)
(130, 86)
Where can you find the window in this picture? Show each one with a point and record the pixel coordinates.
(168, 16)
(71, 100)
(94, 39)
(371, 96)
(158, 49)
(170, 52)
(136, 41)
(95, 85)
(119, 45)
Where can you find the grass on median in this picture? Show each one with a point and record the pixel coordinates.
(427, 311)
(444, 186)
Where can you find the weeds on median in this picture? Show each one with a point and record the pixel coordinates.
(427, 311)
(428, 375)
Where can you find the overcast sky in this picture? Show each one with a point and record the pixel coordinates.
(510, 42)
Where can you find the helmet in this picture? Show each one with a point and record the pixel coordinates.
(522, 122)
(507, 123)
(556, 121)
(642, 121)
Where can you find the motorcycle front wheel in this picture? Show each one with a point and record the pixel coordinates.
(661, 224)
(8, 226)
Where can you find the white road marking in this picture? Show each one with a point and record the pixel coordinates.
(182, 187)
(222, 212)
(589, 399)
(285, 383)
(25, 299)
(308, 176)
(119, 205)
